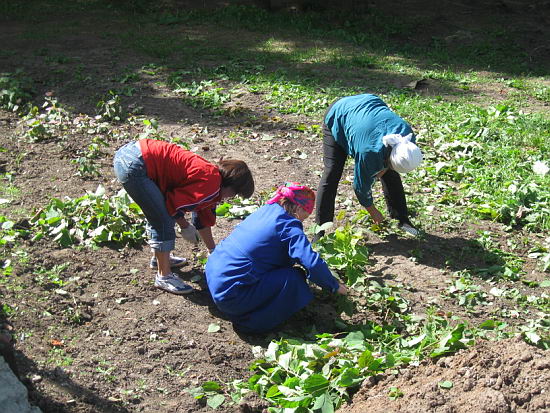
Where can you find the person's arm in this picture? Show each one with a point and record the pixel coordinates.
(207, 238)
(299, 249)
(204, 220)
(188, 231)
(375, 214)
(181, 220)
(363, 181)
(342, 289)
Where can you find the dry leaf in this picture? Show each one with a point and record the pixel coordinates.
(56, 343)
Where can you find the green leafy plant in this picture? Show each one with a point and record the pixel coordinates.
(385, 300)
(110, 108)
(128, 77)
(206, 93)
(290, 97)
(52, 275)
(47, 123)
(6, 310)
(344, 251)
(14, 92)
(10, 232)
(106, 371)
(238, 208)
(59, 357)
(211, 391)
(395, 393)
(467, 293)
(505, 265)
(321, 375)
(542, 253)
(93, 219)
(86, 163)
(537, 332)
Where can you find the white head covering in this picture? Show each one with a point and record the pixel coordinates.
(405, 155)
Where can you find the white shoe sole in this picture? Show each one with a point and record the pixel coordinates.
(184, 292)
(410, 230)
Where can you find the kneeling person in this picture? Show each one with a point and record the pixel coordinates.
(252, 274)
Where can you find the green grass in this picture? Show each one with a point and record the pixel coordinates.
(470, 147)
(483, 157)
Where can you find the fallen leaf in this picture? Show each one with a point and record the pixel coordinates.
(447, 384)
(332, 353)
(213, 328)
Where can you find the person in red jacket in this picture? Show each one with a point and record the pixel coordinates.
(167, 182)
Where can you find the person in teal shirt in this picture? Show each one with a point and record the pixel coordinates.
(382, 145)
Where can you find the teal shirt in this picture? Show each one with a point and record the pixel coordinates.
(358, 124)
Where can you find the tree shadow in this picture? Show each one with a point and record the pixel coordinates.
(22, 366)
(268, 46)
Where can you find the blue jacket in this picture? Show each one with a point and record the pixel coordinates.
(358, 124)
(267, 240)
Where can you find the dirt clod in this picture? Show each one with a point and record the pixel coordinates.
(486, 379)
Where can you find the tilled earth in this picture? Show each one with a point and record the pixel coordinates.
(508, 376)
(132, 348)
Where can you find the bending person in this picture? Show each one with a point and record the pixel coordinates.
(167, 181)
(382, 146)
(252, 274)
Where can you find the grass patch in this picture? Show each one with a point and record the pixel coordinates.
(482, 161)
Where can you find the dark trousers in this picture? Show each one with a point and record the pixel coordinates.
(334, 159)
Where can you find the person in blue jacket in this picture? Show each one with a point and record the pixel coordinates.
(258, 275)
(382, 146)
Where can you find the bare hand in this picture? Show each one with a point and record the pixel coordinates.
(376, 215)
(342, 289)
(182, 222)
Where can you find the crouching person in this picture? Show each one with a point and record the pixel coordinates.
(253, 275)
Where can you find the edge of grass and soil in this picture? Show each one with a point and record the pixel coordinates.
(245, 82)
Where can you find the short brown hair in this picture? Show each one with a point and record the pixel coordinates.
(236, 175)
(289, 206)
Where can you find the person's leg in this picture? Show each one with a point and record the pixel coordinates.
(131, 173)
(334, 159)
(394, 194)
(273, 299)
(163, 262)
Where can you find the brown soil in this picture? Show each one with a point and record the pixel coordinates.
(507, 376)
(137, 349)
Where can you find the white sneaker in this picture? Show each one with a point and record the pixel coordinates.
(173, 284)
(409, 229)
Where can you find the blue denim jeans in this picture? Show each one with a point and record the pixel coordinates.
(131, 173)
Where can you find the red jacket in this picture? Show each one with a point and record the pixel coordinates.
(188, 182)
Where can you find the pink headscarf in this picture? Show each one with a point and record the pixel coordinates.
(298, 194)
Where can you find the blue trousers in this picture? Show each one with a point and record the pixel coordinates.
(131, 173)
(262, 306)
